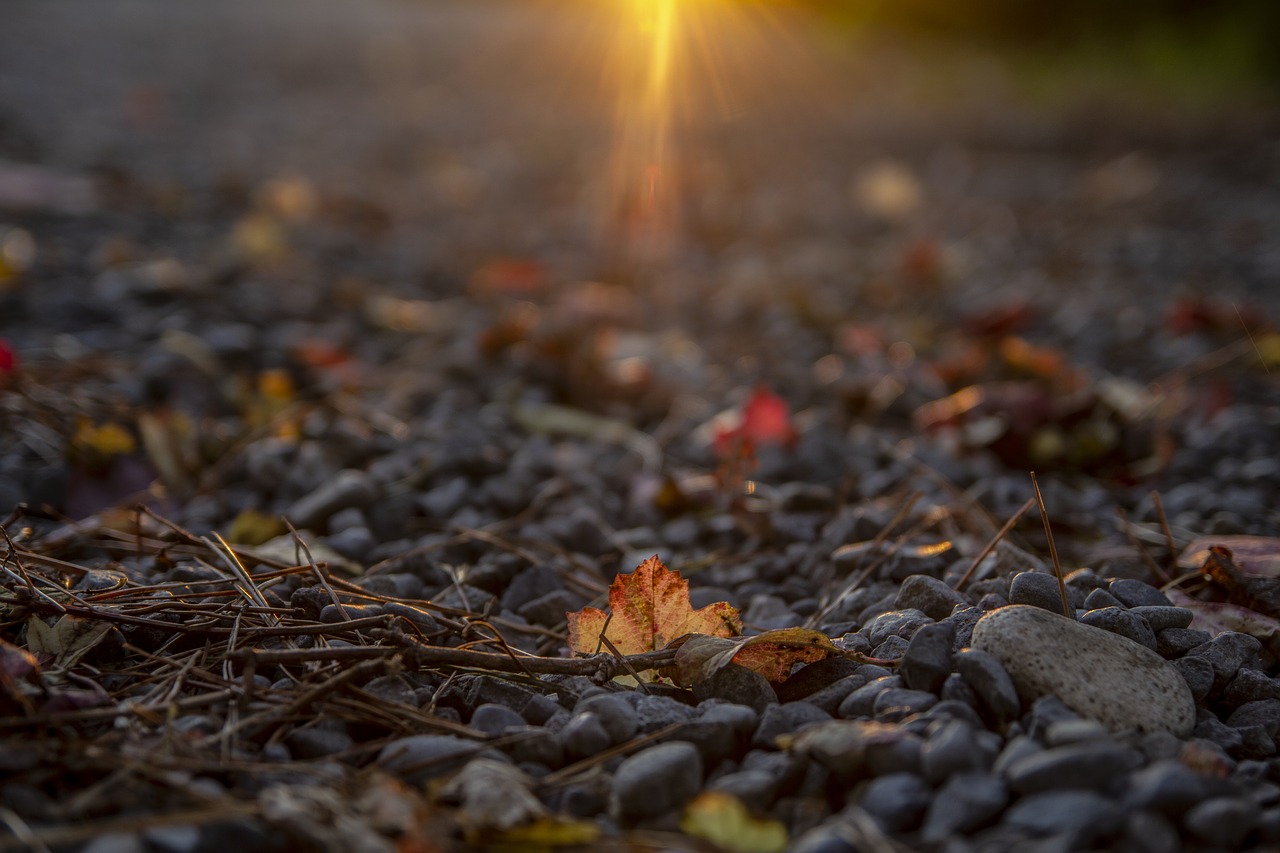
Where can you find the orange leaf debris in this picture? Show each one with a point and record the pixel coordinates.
(650, 608)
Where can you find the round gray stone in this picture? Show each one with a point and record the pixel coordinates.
(1122, 622)
(1099, 675)
(966, 802)
(1036, 589)
(927, 661)
(656, 781)
(928, 595)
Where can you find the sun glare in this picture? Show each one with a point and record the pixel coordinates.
(669, 59)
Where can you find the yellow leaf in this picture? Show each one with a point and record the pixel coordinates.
(103, 441)
(252, 527)
(723, 820)
(545, 834)
(650, 608)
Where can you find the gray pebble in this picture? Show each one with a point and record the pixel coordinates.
(1160, 618)
(179, 838)
(785, 719)
(956, 689)
(1228, 652)
(1083, 815)
(1257, 742)
(347, 488)
(1018, 748)
(755, 788)
(861, 702)
(950, 709)
(737, 684)
(898, 753)
(1135, 593)
(992, 601)
(716, 741)
(1149, 832)
(997, 697)
(1198, 673)
(965, 803)
(1093, 766)
(830, 697)
(314, 742)
(1222, 821)
(897, 800)
(1065, 732)
(656, 780)
(1100, 598)
(963, 620)
(584, 736)
(657, 712)
(549, 610)
(534, 744)
(895, 623)
(1122, 622)
(929, 596)
(420, 758)
(616, 714)
(1215, 731)
(1250, 685)
(492, 719)
(893, 648)
(895, 705)
(116, 842)
(1173, 643)
(742, 718)
(927, 661)
(1260, 712)
(1045, 712)
(354, 543)
(1039, 589)
(955, 747)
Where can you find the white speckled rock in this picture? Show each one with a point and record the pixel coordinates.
(1099, 675)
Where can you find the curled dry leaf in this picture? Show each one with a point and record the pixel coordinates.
(1247, 568)
(650, 608)
(773, 654)
(1254, 555)
(1219, 617)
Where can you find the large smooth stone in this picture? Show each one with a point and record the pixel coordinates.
(1099, 675)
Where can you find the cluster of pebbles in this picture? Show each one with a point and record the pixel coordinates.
(440, 473)
(1004, 726)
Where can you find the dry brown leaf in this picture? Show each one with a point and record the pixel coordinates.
(650, 608)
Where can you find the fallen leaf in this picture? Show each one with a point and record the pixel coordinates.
(650, 608)
(1217, 617)
(252, 527)
(518, 277)
(8, 358)
(724, 821)
(765, 419)
(1253, 555)
(547, 833)
(773, 654)
(102, 441)
(66, 641)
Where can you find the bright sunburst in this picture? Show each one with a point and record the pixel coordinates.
(674, 64)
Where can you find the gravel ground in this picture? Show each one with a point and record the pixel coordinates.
(366, 266)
